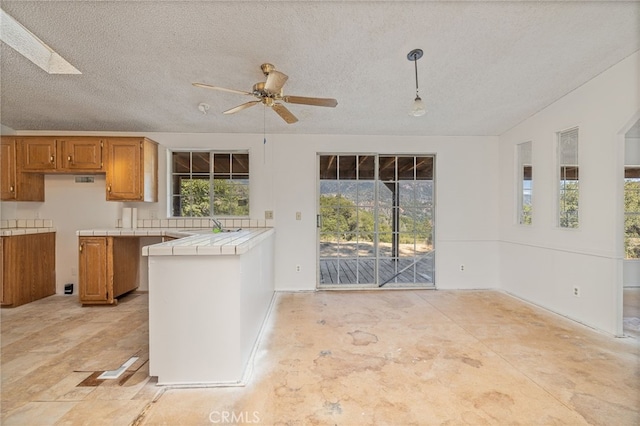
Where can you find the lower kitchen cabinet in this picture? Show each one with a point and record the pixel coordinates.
(27, 268)
(108, 268)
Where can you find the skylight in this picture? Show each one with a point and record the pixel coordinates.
(31, 47)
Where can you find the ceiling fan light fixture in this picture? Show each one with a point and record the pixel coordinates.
(418, 107)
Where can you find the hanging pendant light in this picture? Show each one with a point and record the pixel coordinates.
(417, 108)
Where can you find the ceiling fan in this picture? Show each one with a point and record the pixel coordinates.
(269, 93)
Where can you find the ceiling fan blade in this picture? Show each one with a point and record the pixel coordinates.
(284, 113)
(275, 81)
(241, 107)
(208, 86)
(325, 102)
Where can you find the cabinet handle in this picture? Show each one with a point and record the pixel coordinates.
(109, 188)
(81, 247)
(51, 159)
(11, 188)
(69, 159)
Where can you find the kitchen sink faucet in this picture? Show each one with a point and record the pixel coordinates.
(216, 224)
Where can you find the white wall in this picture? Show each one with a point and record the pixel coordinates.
(71, 206)
(283, 179)
(541, 263)
(4, 130)
(466, 204)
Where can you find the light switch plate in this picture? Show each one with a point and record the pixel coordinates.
(298, 215)
(268, 214)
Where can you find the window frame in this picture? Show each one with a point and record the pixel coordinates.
(212, 175)
(521, 174)
(564, 178)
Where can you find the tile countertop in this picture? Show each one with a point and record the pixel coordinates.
(190, 242)
(8, 232)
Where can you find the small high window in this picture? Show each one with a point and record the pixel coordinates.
(525, 178)
(568, 190)
(207, 184)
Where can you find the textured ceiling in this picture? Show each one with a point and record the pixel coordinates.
(486, 67)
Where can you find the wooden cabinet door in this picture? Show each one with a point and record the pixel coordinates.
(43, 268)
(15, 185)
(7, 169)
(27, 267)
(17, 270)
(37, 154)
(80, 154)
(93, 269)
(124, 169)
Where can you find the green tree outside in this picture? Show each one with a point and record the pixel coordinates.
(194, 195)
(230, 198)
(340, 219)
(569, 205)
(632, 218)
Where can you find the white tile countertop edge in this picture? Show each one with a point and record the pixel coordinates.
(8, 232)
(190, 242)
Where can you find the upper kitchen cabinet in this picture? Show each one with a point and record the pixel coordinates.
(80, 154)
(37, 154)
(132, 169)
(14, 184)
(69, 154)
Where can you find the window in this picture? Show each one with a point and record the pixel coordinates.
(632, 212)
(525, 183)
(209, 183)
(568, 193)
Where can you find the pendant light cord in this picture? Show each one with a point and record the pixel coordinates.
(415, 63)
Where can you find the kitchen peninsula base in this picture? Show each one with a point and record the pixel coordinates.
(206, 310)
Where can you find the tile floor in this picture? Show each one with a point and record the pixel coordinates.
(345, 358)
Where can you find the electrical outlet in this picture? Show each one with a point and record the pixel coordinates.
(298, 215)
(298, 268)
(462, 267)
(268, 214)
(576, 291)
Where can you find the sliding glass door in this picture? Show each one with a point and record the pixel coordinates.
(375, 220)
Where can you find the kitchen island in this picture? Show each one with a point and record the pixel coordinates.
(209, 294)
